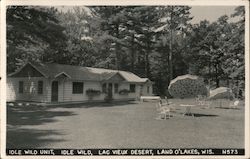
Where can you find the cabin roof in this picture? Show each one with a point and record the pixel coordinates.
(52, 70)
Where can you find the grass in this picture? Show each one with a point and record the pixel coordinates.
(123, 125)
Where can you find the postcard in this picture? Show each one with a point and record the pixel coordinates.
(124, 79)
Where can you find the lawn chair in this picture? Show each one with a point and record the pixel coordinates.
(163, 108)
(160, 104)
(200, 100)
(170, 105)
(203, 101)
(235, 104)
(165, 102)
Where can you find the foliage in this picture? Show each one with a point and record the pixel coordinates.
(157, 42)
(33, 33)
(93, 92)
(79, 44)
(124, 92)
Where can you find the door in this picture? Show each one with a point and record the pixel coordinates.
(110, 90)
(54, 91)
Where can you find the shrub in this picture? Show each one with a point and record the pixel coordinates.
(124, 92)
(91, 93)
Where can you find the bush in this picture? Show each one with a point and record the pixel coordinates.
(124, 92)
(91, 93)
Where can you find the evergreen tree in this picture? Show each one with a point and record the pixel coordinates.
(80, 45)
(33, 34)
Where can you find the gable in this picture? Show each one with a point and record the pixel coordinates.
(116, 77)
(62, 75)
(27, 71)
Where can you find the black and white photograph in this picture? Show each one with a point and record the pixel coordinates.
(126, 80)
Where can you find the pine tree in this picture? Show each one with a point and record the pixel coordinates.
(33, 34)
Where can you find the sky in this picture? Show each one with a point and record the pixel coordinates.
(210, 13)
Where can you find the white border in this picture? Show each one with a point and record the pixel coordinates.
(127, 2)
(118, 2)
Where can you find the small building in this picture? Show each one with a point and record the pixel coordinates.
(67, 83)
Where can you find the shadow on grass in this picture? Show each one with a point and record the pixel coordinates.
(92, 104)
(18, 116)
(204, 115)
(32, 115)
(200, 115)
(227, 108)
(29, 138)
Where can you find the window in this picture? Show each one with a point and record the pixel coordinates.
(132, 88)
(148, 89)
(104, 87)
(40, 87)
(77, 88)
(20, 90)
(116, 87)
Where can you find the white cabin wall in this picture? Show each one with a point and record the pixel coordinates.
(144, 89)
(130, 95)
(67, 95)
(12, 90)
(64, 90)
(30, 88)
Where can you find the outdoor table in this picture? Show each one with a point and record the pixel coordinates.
(188, 109)
(150, 98)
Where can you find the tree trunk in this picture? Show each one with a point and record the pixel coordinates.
(147, 59)
(170, 46)
(228, 83)
(148, 49)
(238, 88)
(209, 69)
(217, 80)
(117, 48)
(132, 53)
(147, 65)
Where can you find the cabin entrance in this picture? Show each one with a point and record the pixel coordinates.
(54, 91)
(110, 90)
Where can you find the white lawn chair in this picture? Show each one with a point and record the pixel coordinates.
(158, 106)
(235, 104)
(203, 101)
(208, 104)
(170, 105)
(164, 109)
(165, 102)
(200, 100)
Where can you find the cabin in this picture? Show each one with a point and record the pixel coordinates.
(66, 83)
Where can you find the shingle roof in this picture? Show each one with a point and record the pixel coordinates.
(51, 70)
(128, 76)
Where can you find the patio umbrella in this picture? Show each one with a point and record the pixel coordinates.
(187, 86)
(221, 93)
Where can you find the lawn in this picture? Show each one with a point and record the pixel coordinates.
(123, 125)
